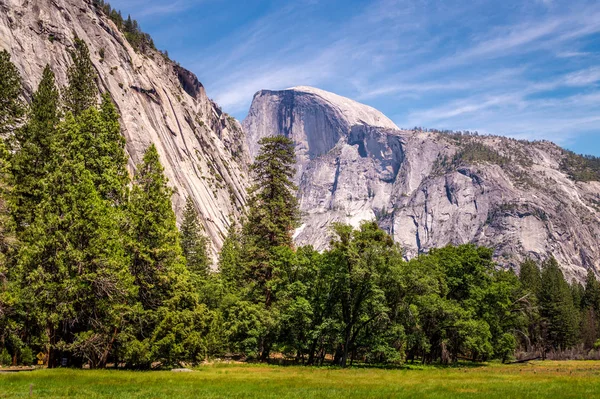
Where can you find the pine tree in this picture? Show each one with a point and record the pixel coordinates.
(128, 27)
(591, 296)
(154, 238)
(33, 148)
(273, 208)
(82, 91)
(72, 260)
(11, 107)
(559, 316)
(7, 237)
(531, 278)
(531, 284)
(103, 148)
(590, 304)
(230, 262)
(193, 241)
(171, 322)
(11, 112)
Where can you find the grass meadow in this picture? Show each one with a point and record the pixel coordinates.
(550, 379)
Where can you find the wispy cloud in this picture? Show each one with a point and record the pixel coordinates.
(523, 68)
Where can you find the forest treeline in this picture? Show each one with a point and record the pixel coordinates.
(94, 270)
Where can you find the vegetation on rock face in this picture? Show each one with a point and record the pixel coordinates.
(581, 167)
(139, 40)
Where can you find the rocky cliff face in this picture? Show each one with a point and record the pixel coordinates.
(430, 189)
(203, 150)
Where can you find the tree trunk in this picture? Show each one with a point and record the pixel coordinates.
(346, 345)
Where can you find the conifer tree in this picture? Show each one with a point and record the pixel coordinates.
(591, 296)
(11, 110)
(154, 238)
(273, 211)
(33, 148)
(230, 262)
(193, 241)
(559, 316)
(82, 91)
(72, 261)
(590, 304)
(531, 278)
(531, 285)
(103, 148)
(7, 237)
(11, 107)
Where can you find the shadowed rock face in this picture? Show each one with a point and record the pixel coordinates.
(203, 151)
(429, 189)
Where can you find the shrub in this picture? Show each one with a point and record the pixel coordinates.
(26, 356)
(5, 358)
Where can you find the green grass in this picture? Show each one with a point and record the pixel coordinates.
(537, 380)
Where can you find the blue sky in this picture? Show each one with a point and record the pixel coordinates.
(524, 68)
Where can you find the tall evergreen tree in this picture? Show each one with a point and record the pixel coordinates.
(154, 238)
(590, 304)
(530, 277)
(82, 91)
(273, 209)
(7, 237)
(72, 262)
(591, 296)
(11, 107)
(33, 149)
(193, 241)
(230, 262)
(103, 148)
(559, 316)
(11, 112)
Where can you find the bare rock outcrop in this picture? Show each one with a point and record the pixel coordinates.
(430, 189)
(202, 149)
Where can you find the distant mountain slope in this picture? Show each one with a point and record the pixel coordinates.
(203, 150)
(430, 189)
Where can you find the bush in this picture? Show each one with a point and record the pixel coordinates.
(26, 356)
(5, 358)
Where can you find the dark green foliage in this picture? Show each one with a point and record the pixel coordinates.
(154, 238)
(193, 241)
(71, 257)
(139, 40)
(11, 107)
(7, 236)
(581, 167)
(5, 358)
(230, 260)
(272, 209)
(531, 278)
(11, 111)
(82, 91)
(474, 152)
(26, 356)
(560, 318)
(590, 307)
(34, 147)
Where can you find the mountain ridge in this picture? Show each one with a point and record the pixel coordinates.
(429, 189)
